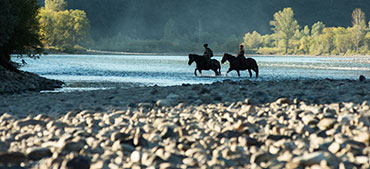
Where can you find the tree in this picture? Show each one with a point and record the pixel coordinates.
(55, 5)
(284, 25)
(252, 40)
(63, 29)
(20, 32)
(326, 41)
(342, 40)
(306, 31)
(359, 25)
(317, 28)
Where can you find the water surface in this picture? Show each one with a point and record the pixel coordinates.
(163, 70)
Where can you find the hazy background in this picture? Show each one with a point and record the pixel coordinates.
(202, 20)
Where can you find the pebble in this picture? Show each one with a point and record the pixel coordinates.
(334, 147)
(188, 127)
(326, 123)
(135, 156)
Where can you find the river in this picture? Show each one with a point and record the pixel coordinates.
(89, 72)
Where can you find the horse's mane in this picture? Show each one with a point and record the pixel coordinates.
(227, 54)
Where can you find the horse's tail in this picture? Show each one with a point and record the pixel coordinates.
(256, 68)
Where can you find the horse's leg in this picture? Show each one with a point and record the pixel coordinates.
(250, 72)
(228, 72)
(195, 71)
(215, 70)
(238, 73)
(256, 70)
(200, 71)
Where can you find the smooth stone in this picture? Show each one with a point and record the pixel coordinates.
(79, 162)
(309, 119)
(135, 156)
(362, 159)
(71, 146)
(363, 138)
(38, 153)
(99, 165)
(26, 122)
(23, 136)
(326, 123)
(164, 103)
(13, 158)
(119, 136)
(334, 147)
(313, 158)
(261, 157)
(189, 161)
(283, 101)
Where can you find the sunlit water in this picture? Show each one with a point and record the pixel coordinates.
(78, 71)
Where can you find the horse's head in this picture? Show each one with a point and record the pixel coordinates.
(191, 59)
(224, 58)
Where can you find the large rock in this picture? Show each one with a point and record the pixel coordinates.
(79, 163)
(12, 158)
(38, 153)
(72, 146)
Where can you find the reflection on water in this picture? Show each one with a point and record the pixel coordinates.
(174, 70)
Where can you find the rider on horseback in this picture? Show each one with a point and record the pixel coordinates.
(241, 57)
(207, 53)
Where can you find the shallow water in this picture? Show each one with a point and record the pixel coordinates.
(166, 70)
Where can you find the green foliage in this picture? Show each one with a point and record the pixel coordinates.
(55, 5)
(252, 41)
(359, 25)
(320, 40)
(341, 40)
(19, 30)
(285, 26)
(317, 28)
(63, 29)
(19, 27)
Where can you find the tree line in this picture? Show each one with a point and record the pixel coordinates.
(178, 26)
(289, 37)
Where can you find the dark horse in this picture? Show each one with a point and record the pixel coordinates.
(202, 64)
(237, 65)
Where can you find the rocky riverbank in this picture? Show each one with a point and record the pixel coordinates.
(246, 124)
(11, 82)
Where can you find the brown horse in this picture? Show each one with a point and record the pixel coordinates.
(236, 65)
(202, 64)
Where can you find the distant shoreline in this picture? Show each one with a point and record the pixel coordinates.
(104, 52)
